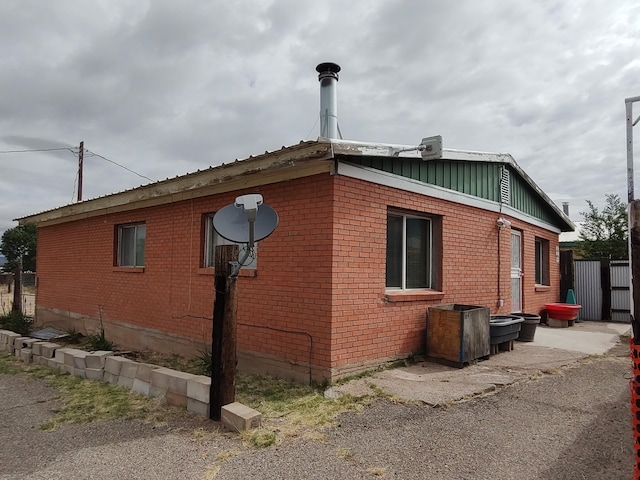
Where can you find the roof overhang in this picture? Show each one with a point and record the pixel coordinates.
(302, 160)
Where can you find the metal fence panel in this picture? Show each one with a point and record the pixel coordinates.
(588, 289)
(620, 292)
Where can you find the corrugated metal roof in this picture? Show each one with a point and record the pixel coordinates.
(327, 147)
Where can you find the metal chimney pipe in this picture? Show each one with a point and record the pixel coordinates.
(565, 208)
(328, 78)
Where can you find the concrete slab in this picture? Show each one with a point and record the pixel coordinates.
(591, 338)
(437, 384)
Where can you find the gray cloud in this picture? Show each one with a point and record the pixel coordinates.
(170, 87)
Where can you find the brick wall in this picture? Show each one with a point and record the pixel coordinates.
(317, 300)
(368, 323)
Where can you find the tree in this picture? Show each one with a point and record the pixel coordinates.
(19, 242)
(605, 234)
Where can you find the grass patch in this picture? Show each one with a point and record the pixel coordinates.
(8, 365)
(86, 401)
(289, 409)
(377, 471)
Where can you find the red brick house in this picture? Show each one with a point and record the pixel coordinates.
(368, 239)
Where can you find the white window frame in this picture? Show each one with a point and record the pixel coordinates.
(429, 246)
(212, 240)
(139, 234)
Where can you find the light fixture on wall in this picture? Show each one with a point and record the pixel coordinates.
(503, 223)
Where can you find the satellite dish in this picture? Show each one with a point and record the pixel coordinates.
(232, 224)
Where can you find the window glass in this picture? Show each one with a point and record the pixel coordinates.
(542, 261)
(212, 240)
(409, 252)
(417, 249)
(394, 251)
(131, 248)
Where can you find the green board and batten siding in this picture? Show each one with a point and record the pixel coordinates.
(480, 179)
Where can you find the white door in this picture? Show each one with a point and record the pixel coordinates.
(516, 271)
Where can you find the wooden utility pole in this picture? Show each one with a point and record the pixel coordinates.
(17, 288)
(80, 168)
(223, 335)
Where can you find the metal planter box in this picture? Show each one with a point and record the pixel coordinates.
(458, 334)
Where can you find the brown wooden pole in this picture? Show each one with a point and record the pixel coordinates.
(17, 288)
(223, 334)
(80, 169)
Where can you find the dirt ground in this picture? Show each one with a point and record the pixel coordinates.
(28, 300)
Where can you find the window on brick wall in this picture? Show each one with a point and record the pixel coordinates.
(212, 240)
(542, 261)
(412, 260)
(132, 240)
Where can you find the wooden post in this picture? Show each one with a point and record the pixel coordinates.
(80, 169)
(17, 288)
(223, 334)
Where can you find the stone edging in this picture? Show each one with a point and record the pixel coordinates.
(175, 388)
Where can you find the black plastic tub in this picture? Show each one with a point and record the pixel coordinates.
(528, 329)
(503, 328)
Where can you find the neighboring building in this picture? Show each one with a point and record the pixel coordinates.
(369, 237)
(3, 260)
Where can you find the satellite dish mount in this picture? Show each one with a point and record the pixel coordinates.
(247, 220)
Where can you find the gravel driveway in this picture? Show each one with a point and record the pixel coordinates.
(572, 425)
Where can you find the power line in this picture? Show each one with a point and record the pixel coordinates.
(116, 163)
(75, 152)
(39, 150)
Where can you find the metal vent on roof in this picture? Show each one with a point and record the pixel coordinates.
(505, 186)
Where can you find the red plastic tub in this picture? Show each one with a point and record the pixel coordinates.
(563, 311)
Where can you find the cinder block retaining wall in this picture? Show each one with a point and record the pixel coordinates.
(173, 387)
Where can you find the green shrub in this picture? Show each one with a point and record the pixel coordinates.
(98, 341)
(17, 322)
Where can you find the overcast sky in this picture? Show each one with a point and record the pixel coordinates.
(168, 87)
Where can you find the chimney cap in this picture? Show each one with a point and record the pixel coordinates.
(328, 67)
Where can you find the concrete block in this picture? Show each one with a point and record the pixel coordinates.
(53, 363)
(129, 369)
(75, 358)
(28, 343)
(94, 373)
(140, 386)
(97, 359)
(552, 322)
(175, 399)
(25, 355)
(18, 342)
(36, 348)
(144, 372)
(199, 408)
(109, 378)
(68, 368)
(113, 364)
(16, 352)
(125, 382)
(171, 380)
(38, 360)
(48, 349)
(238, 417)
(11, 337)
(60, 354)
(78, 372)
(156, 392)
(198, 388)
